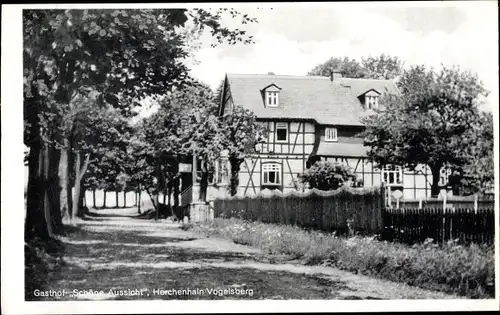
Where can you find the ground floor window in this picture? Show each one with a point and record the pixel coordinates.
(271, 174)
(392, 174)
(202, 167)
(444, 176)
(218, 171)
(222, 171)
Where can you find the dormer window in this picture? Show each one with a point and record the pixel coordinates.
(272, 99)
(371, 102)
(371, 99)
(271, 95)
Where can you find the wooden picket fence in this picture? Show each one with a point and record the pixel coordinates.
(467, 225)
(365, 211)
(315, 209)
(485, 202)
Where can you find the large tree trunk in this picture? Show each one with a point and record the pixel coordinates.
(82, 204)
(139, 199)
(159, 185)
(203, 182)
(71, 183)
(76, 197)
(436, 174)
(54, 191)
(46, 198)
(169, 193)
(64, 180)
(176, 186)
(35, 225)
(153, 201)
(157, 214)
(116, 199)
(124, 199)
(93, 199)
(104, 200)
(79, 172)
(235, 171)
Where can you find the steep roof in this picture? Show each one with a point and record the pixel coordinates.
(306, 97)
(361, 86)
(341, 149)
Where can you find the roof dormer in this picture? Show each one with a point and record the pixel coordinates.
(271, 94)
(370, 99)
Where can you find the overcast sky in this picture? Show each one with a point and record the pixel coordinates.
(293, 38)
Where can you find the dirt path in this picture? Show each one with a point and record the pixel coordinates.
(120, 257)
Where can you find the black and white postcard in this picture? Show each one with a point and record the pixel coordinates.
(249, 157)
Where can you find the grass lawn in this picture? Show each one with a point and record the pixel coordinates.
(464, 270)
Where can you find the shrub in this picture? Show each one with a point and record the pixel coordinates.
(326, 175)
(464, 270)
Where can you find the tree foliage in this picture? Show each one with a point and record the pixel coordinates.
(478, 172)
(431, 123)
(383, 67)
(373, 67)
(185, 125)
(188, 124)
(120, 56)
(326, 175)
(240, 134)
(349, 68)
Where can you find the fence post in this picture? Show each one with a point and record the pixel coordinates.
(389, 196)
(475, 203)
(382, 208)
(444, 219)
(451, 223)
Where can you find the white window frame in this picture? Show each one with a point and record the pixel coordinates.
(331, 134)
(220, 179)
(444, 176)
(371, 101)
(272, 99)
(280, 126)
(199, 173)
(268, 168)
(396, 171)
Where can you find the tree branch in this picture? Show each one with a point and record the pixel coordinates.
(83, 169)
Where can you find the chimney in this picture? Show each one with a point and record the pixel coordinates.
(335, 75)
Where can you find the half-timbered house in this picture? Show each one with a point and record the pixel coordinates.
(311, 118)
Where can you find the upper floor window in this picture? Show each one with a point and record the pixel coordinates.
(392, 174)
(371, 101)
(271, 174)
(281, 132)
(272, 99)
(331, 134)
